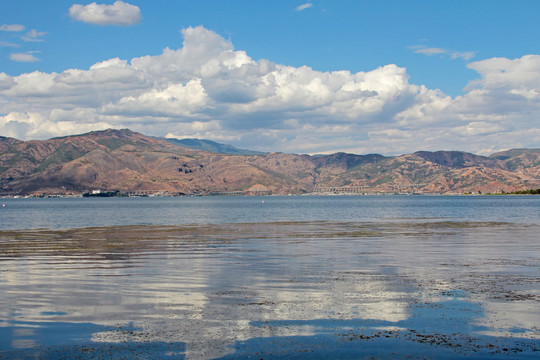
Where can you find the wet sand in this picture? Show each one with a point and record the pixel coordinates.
(396, 289)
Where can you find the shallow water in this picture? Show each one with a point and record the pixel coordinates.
(397, 287)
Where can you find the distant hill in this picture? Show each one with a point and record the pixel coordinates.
(208, 145)
(127, 161)
(457, 159)
(505, 155)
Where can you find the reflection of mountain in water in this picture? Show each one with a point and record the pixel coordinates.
(279, 286)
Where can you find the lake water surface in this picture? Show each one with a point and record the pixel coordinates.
(346, 277)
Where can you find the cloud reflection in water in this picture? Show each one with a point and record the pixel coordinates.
(209, 289)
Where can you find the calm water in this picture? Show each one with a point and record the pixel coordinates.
(90, 212)
(270, 277)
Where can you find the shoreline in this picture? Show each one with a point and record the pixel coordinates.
(162, 194)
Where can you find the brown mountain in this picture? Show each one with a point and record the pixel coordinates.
(131, 162)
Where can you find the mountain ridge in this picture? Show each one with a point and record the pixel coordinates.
(212, 146)
(128, 161)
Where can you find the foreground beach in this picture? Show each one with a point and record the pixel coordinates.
(418, 288)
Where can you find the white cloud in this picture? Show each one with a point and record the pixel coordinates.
(8, 44)
(36, 126)
(207, 89)
(176, 100)
(465, 55)
(34, 36)
(430, 51)
(479, 128)
(6, 81)
(24, 57)
(502, 73)
(120, 13)
(304, 6)
(12, 28)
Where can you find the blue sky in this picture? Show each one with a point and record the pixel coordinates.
(423, 74)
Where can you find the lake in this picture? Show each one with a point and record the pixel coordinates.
(350, 277)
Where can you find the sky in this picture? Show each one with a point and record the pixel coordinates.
(320, 76)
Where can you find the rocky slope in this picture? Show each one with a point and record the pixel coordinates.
(131, 162)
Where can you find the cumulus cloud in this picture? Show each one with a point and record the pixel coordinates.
(6, 81)
(304, 6)
(208, 89)
(507, 74)
(119, 13)
(34, 125)
(24, 57)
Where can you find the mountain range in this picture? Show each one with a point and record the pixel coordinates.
(212, 146)
(130, 162)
